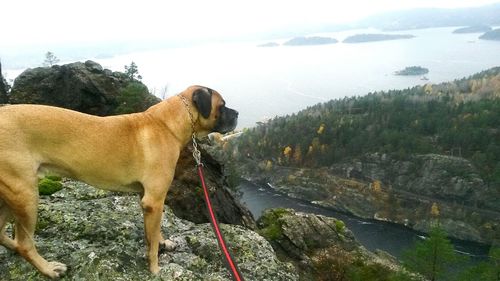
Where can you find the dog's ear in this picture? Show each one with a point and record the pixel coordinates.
(202, 99)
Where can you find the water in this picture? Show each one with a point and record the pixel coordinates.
(372, 234)
(265, 82)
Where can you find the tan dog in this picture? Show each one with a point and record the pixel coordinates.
(132, 152)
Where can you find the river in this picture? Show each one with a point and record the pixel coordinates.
(372, 234)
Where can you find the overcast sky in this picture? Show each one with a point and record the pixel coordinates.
(26, 22)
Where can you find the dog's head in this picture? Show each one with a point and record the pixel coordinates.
(214, 115)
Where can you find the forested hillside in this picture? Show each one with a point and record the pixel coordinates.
(459, 118)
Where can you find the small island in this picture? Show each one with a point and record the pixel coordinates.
(412, 70)
(270, 44)
(362, 38)
(307, 41)
(491, 35)
(473, 29)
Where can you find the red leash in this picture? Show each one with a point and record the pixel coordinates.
(231, 265)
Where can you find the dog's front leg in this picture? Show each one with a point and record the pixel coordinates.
(152, 206)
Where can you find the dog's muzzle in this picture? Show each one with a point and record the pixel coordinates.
(227, 121)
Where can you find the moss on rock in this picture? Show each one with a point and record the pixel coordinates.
(270, 223)
(49, 185)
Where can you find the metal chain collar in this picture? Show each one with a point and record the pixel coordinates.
(196, 151)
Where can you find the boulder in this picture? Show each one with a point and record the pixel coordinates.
(185, 196)
(321, 248)
(100, 236)
(85, 87)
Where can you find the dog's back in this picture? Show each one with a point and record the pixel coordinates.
(54, 140)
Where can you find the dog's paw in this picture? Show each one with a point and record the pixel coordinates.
(155, 270)
(56, 270)
(166, 246)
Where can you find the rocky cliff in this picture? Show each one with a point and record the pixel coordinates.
(85, 87)
(322, 248)
(411, 192)
(185, 196)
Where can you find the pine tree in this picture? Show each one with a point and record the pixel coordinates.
(132, 71)
(486, 270)
(50, 59)
(433, 257)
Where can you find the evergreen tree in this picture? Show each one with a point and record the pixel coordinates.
(50, 59)
(132, 71)
(131, 98)
(434, 257)
(485, 271)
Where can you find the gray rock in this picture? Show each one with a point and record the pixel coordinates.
(108, 72)
(186, 192)
(313, 242)
(93, 66)
(99, 235)
(84, 87)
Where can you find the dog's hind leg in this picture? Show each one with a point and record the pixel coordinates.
(25, 215)
(5, 217)
(166, 245)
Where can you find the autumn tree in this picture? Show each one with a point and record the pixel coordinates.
(269, 166)
(377, 186)
(321, 129)
(434, 210)
(287, 152)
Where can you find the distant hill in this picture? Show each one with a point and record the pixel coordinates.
(361, 38)
(270, 44)
(491, 35)
(462, 117)
(313, 40)
(426, 18)
(473, 29)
